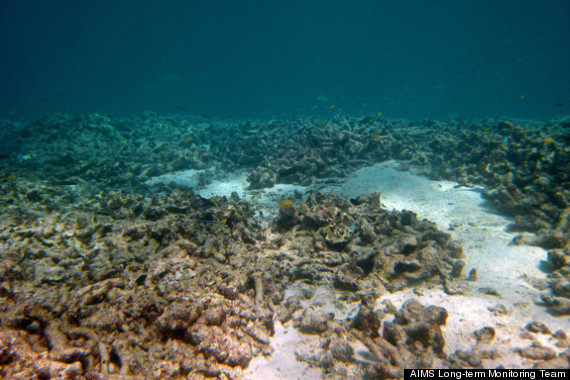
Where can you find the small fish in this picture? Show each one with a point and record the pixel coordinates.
(379, 114)
(213, 222)
(332, 107)
(181, 108)
(10, 177)
(522, 97)
(486, 129)
(285, 202)
(548, 140)
(467, 185)
(187, 140)
(307, 117)
(559, 105)
(375, 136)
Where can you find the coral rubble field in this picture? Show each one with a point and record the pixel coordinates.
(105, 274)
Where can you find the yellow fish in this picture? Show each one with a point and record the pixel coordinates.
(548, 140)
(285, 202)
(375, 136)
(522, 97)
(307, 117)
(332, 107)
(187, 139)
(10, 177)
(486, 129)
(379, 114)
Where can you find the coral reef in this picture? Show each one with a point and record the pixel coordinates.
(524, 168)
(103, 276)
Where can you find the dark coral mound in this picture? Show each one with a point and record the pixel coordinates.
(363, 247)
(412, 340)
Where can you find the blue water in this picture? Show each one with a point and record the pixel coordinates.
(273, 58)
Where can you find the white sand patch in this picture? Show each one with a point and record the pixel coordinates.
(266, 199)
(224, 188)
(283, 364)
(234, 183)
(188, 178)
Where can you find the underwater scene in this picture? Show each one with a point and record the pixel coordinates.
(283, 190)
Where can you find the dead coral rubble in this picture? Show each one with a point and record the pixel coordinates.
(131, 286)
(102, 276)
(524, 166)
(413, 339)
(86, 295)
(363, 247)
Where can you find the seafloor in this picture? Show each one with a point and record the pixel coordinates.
(111, 267)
